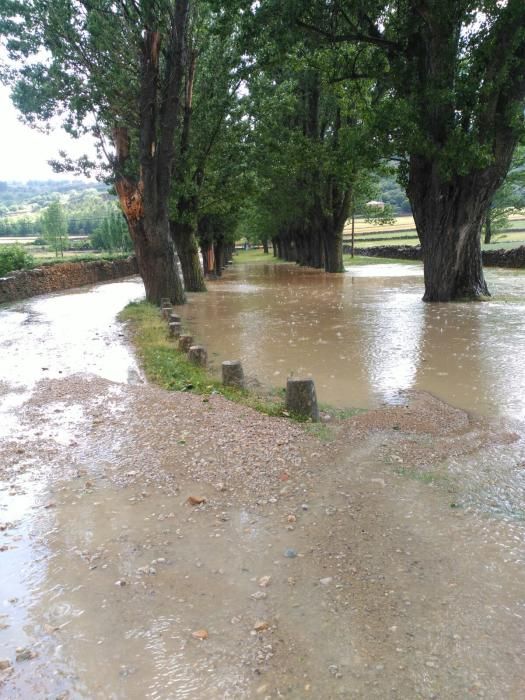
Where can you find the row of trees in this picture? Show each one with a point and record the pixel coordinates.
(278, 112)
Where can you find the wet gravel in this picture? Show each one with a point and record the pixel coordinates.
(158, 545)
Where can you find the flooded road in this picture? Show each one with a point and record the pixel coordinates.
(388, 562)
(365, 335)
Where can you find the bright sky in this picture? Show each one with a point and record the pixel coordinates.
(24, 152)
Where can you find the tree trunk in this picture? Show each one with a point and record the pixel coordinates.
(449, 216)
(188, 250)
(488, 228)
(333, 251)
(153, 248)
(218, 250)
(265, 246)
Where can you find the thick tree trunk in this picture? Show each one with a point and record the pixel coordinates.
(188, 250)
(153, 247)
(265, 246)
(449, 217)
(208, 259)
(333, 251)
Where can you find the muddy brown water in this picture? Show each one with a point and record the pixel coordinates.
(392, 594)
(365, 335)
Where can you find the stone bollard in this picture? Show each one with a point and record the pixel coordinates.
(185, 342)
(197, 355)
(165, 312)
(301, 398)
(174, 329)
(232, 374)
(174, 318)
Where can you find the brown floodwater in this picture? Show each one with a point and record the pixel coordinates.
(364, 336)
(392, 593)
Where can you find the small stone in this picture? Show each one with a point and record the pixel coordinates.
(25, 654)
(196, 500)
(120, 582)
(258, 595)
(200, 634)
(325, 581)
(265, 581)
(291, 518)
(261, 625)
(290, 553)
(5, 664)
(304, 506)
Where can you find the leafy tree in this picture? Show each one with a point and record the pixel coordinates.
(310, 130)
(508, 199)
(112, 235)
(54, 224)
(450, 77)
(114, 70)
(209, 134)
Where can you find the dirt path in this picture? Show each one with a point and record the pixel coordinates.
(315, 569)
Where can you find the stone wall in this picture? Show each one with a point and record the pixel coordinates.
(514, 257)
(53, 278)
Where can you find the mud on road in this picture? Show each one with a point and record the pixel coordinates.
(370, 566)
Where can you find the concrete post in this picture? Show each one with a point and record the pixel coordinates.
(232, 374)
(197, 355)
(301, 398)
(174, 318)
(174, 329)
(185, 342)
(165, 312)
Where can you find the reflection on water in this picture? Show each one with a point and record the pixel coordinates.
(366, 335)
(56, 335)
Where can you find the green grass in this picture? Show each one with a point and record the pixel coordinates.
(366, 260)
(255, 256)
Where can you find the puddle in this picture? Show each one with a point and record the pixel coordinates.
(62, 334)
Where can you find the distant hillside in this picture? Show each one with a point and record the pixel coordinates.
(21, 205)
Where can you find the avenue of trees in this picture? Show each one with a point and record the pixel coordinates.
(278, 116)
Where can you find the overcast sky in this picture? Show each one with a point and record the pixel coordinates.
(24, 152)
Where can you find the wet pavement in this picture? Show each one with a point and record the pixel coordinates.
(388, 563)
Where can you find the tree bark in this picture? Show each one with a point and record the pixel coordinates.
(218, 251)
(145, 198)
(188, 250)
(265, 246)
(488, 227)
(449, 216)
(153, 248)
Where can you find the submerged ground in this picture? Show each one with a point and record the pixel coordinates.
(386, 562)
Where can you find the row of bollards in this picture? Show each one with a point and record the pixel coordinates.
(301, 397)
(196, 354)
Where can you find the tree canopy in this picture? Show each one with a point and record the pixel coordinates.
(281, 111)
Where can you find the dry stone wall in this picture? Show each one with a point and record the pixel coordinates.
(514, 257)
(54, 278)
